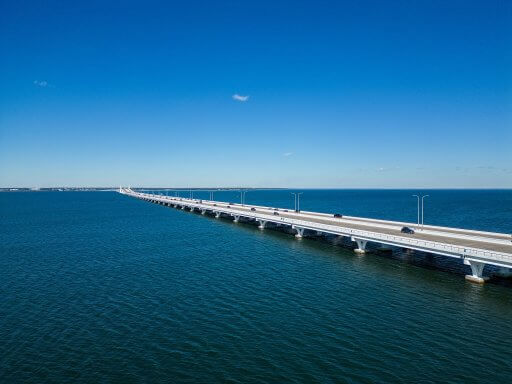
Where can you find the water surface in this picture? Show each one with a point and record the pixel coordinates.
(99, 287)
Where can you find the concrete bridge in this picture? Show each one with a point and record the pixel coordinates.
(475, 248)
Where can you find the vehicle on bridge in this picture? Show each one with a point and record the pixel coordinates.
(407, 230)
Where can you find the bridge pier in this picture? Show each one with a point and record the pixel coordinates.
(361, 245)
(236, 218)
(203, 211)
(300, 232)
(217, 215)
(477, 267)
(182, 207)
(262, 224)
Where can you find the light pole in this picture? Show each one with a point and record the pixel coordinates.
(242, 196)
(422, 214)
(294, 201)
(297, 200)
(418, 208)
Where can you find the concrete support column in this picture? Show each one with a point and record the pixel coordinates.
(262, 224)
(236, 218)
(192, 209)
(182, 207)
(477, 268)
(203, 211)
(300, 232)
(361, 246)
(217, 215)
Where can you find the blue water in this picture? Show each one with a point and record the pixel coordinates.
(100, 287)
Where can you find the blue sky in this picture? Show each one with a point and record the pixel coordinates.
(372, 94)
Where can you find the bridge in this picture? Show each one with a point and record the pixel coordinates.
(475, 248)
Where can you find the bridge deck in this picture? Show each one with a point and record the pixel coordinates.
(475, 248)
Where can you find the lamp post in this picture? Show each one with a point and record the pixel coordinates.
(242, 196)
(422, 213)
(418, 208)
(297, 200)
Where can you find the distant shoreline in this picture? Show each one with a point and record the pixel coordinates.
(114, 189)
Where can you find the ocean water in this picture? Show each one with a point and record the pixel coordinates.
(96, 287)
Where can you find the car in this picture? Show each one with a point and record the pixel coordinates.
(276, 209)
(253, 209)
(229, 206)
(338, 215)
(407, 230)
(286, 210)
(214, 205)
(276, 213)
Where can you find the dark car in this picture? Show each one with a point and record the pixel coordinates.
(276, 213)
(338, 215)
(228, 206)
(253, 209)
(286, 210)
(231, 204)
(214, 205)
(407, 230)
(276, 209)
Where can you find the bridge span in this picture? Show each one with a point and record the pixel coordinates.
(475, 248)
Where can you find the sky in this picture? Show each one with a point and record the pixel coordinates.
(311, 94)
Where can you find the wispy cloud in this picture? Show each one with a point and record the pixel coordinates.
(385, 169)
(287, 154)
(241, 98)
(41, 83)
